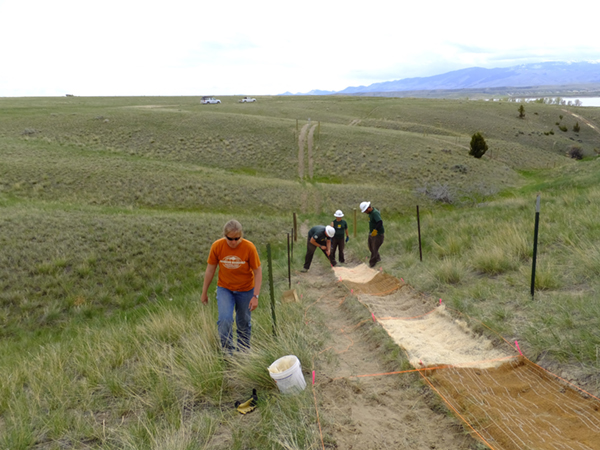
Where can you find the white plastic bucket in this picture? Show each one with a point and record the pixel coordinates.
(287, 373)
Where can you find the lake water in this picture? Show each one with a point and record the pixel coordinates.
(590, 101)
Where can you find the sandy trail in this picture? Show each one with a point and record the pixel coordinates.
(359, 274)
(437, 339)
(429, 335)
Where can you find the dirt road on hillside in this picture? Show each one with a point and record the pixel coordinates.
(584, 120)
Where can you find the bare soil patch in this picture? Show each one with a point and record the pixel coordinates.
(301, 140)
(152, 106)
(310, 150)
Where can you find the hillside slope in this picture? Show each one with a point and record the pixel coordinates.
(405, 143)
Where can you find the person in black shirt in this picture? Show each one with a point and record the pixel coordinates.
(319, 236)
(340, 238)
(376, 231)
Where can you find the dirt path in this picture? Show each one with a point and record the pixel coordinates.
(584, 120)
(301, 140)
(377, 412)
(310, 150)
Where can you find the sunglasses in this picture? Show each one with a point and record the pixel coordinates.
(233, 239)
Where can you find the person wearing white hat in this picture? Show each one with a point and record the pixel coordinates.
(337, 241)
(319, 236)
(376, 231)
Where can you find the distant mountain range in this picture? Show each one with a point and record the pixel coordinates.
(478, 78)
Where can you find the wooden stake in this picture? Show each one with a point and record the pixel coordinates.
(271, 288)
(419, 228)
(289, 263)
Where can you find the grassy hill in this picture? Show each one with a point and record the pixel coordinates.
(108, 207)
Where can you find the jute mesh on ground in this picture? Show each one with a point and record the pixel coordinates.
(517, 405)
(520, 406)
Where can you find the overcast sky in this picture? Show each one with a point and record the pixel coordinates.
(262, 47)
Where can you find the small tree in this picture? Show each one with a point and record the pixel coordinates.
(576, 127)
(521, 112)
(478, 145)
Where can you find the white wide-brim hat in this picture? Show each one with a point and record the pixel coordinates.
(338, 213)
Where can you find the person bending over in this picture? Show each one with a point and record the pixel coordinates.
(319, 236)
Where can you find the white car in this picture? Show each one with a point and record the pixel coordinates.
(210, 101)
(247, 100)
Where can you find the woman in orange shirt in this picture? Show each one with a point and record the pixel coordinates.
(238, 284)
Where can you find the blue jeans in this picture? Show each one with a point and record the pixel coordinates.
(227, 302)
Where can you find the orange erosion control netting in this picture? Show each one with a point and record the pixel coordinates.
(506, 401)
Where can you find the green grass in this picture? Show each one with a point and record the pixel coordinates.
(108, 207)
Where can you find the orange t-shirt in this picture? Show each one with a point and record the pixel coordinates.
(236, 265)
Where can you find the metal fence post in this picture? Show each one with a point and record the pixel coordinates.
(535, 240)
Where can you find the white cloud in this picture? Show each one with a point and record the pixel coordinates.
(185, 47)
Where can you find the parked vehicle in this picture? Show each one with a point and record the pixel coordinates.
(247, 100)
(206, 100)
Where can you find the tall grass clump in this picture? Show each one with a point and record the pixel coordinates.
(493, 260)
(500, 250)
(548, 276)
(588, 258)
(450, 271)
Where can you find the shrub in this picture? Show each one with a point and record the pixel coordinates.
(521, 112)
(493, 260)
(575, 152)
(563, 128)
(576, 127)
(478, 145)
(438, 192)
